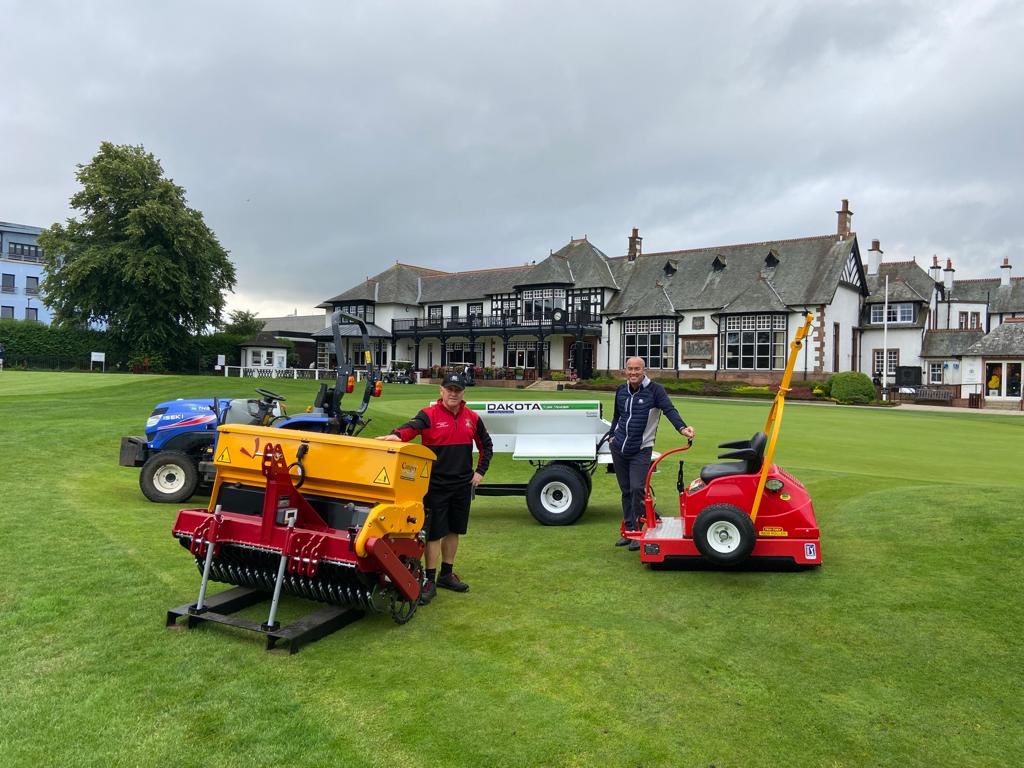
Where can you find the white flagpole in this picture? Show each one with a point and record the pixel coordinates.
(885, 343)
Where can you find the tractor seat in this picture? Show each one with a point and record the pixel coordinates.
(751, 455)
(241, 411)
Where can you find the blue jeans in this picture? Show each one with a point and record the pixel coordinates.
(631, 472)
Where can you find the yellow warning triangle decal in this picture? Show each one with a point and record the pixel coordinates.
(224, 457)
(426, 470)
(382, 477)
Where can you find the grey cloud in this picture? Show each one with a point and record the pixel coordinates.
(324, 141)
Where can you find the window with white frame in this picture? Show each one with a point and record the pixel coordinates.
(6, 313)
(970, 320)
(877, 361)
(653, 340)
(505, 305)
(898, 313)
(521, 354)
(935, 373)
(362, 311)
(7, 283)
(538, 304)
(753, 343)
(585, 304)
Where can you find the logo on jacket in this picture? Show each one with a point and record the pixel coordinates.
(468, 425)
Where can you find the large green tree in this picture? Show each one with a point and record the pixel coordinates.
(242, 322)
(137, 258)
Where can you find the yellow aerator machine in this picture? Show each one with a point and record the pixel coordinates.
(330, 518)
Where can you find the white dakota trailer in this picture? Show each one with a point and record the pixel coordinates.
(562, 439)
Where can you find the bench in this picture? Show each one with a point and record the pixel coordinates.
(925, 393)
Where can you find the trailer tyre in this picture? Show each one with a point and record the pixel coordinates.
(724, 534)
(169, 477)
(557, 495)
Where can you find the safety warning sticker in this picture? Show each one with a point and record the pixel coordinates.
(224, 457)
(382, 477)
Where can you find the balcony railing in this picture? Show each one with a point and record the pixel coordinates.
(484, 323)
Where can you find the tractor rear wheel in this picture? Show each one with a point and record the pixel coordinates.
(169, 477)
(724, 534)
(557, 495)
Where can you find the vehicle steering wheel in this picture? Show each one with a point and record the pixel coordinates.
(266, 393)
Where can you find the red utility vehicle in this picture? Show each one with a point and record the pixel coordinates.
(737, 510)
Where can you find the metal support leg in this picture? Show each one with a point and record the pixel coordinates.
(290, 516)
(201, 602)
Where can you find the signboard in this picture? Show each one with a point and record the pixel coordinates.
(98, 357)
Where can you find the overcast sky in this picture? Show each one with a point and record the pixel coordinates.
(323, 141)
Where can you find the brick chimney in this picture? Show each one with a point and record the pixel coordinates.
(635, 244)
(935, 270)
(874, 257)
(845, 217)
(948, 277)
(1004, 278)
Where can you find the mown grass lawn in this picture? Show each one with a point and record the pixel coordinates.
(904, 649)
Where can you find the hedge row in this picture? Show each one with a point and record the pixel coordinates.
(35, 345)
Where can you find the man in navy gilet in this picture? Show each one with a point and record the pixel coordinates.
(639, 405)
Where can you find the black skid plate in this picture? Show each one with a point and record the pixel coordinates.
(218, 609)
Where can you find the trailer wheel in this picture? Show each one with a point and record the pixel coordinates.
(724, 534)
(169, 476)
(557, 495)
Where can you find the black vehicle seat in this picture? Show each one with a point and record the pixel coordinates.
(751, 455)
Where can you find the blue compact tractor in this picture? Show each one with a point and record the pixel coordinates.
(176, 453)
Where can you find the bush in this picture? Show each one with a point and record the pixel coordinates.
(852, 387)
(557, 376)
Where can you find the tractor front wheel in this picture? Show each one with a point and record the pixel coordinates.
(557, 495)
(169, 477)
(724, 534)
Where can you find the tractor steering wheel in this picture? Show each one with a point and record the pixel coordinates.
(266, 393)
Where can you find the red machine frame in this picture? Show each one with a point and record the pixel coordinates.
(749, 508)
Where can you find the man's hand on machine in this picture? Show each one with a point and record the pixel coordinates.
(477, 479)
(393, 438)
(687, 432)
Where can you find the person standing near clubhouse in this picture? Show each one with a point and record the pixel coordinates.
(449, 429)
(639, 405)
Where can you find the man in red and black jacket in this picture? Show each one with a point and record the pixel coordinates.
(449, 429)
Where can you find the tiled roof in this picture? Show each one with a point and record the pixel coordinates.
(1007, 339)
(264, 339)
(554, 269)
(907, 282)
(398, 284)
(655, 302)
(293, 323)
(761, 296)
(351, 329)
(949, 343)
(808, 272)
(988, 290)
(459, 286)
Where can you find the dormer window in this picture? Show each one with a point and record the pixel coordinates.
(771, 261)
(898, 313)
(719, 263)
(670, 268)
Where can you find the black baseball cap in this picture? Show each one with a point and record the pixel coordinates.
(453, 380)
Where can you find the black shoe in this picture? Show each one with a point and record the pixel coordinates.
(634, 545)
(451, 581)
(427, 592)
(623, 541)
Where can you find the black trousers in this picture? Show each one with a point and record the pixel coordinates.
(631, 472)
